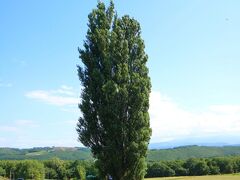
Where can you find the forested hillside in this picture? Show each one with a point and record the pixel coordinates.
(186, 152)
(77, 153)
(64, 153)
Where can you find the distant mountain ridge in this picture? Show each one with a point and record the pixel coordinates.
(81, 153)
(42, 153)
(186, 152)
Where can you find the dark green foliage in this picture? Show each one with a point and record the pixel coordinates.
(178, 167)
(58, 169)
(2, 172)
(159, 170)
(225, 165)
(81, 169)
(115, 94)
(50, 173)
(49, 169)
(237, 164)
(213, 167)
(197, 167)
(181, 171)
(30, 169)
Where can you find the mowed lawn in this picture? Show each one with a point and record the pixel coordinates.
(218, 177)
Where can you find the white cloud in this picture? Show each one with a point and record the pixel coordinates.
(29, 142)
(18, 126)
(65, 90)
(26, 123)
(62, 96)
(8, 128)
(65, 87)
(72, 110)
(71, 122)
(2, 141)
(229, 109)
(169, 121)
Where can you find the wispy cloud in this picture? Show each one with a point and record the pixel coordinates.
(60, 97)
(19, 62)
(8, 128)
(226, 109)
(169, 121)
(70, 122)
(3, 140)
(5, 84)
(65, 90)
(18, 126)
(26, 123)
(71, 109)
(29, 142)
(29, 133)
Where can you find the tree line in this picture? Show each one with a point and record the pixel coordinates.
(86, 170)
(48, 169)
(194, 167)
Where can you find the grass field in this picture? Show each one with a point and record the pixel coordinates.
(2, 178)
(219, 177)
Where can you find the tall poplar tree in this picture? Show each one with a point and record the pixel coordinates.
(115, 95)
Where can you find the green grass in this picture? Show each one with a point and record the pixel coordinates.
(2, 178)
(38, 153)
(218, 177)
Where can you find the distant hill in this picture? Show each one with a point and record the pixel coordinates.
(81, 153)
(186, 152)
(64, 153)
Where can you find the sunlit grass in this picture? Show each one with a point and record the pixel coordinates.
(218, 177)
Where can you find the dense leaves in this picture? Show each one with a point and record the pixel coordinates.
(115, 94)
(49, 169)
(86, 170)
(194, 167)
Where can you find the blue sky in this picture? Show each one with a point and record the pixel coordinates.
(194, 62)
